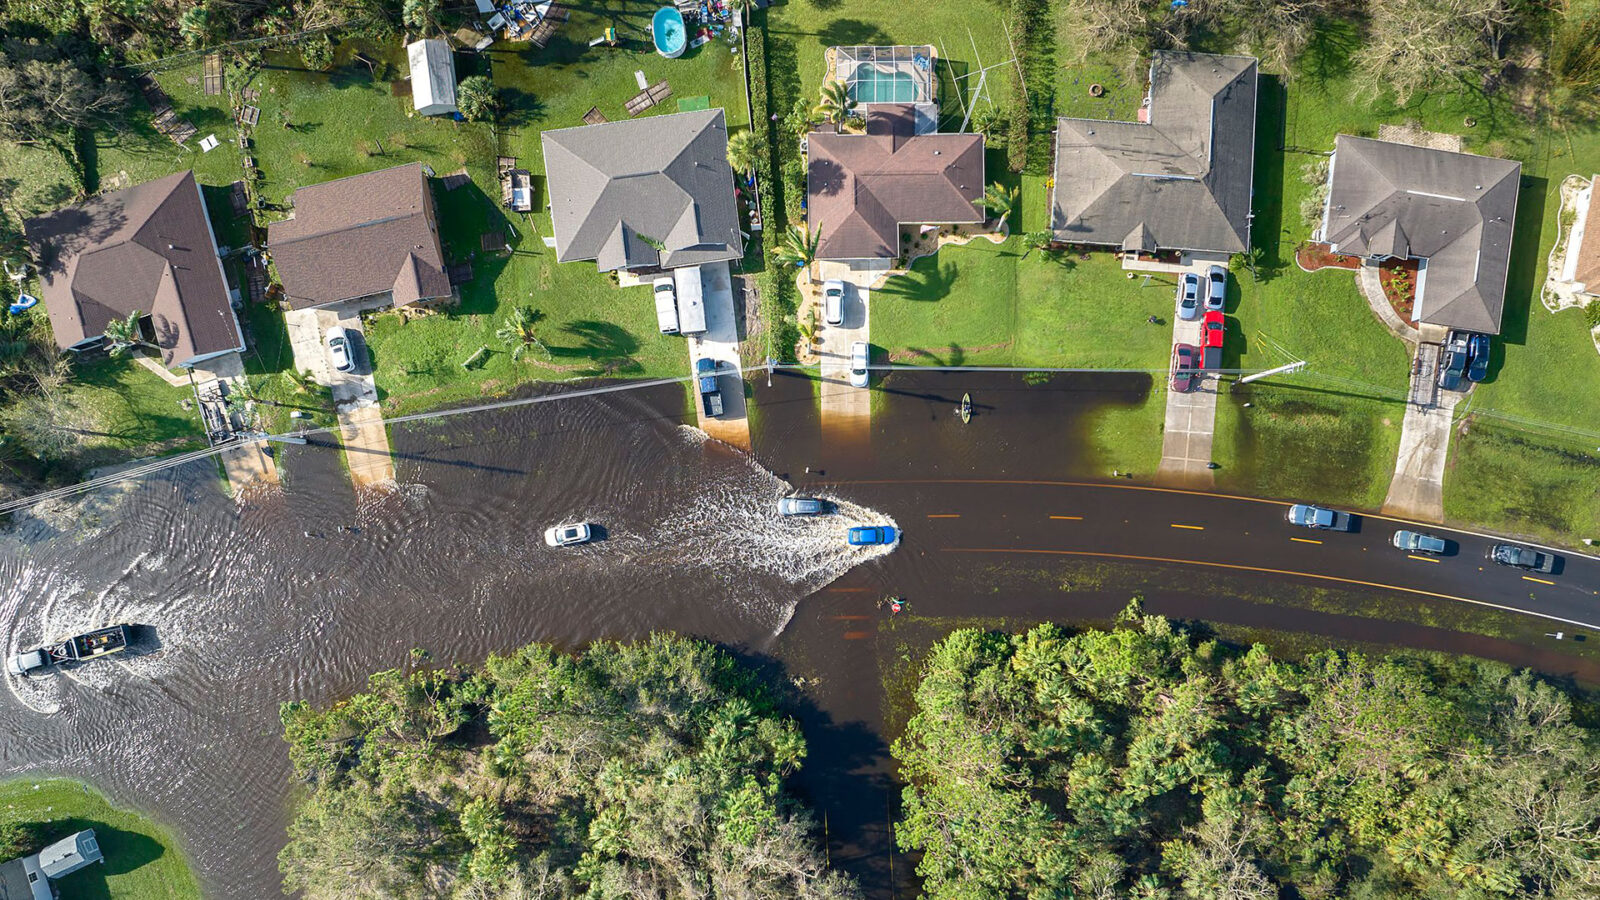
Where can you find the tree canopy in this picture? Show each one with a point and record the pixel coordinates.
(1149, 762)
(632, 770)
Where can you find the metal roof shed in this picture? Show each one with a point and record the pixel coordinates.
(70, 854)
(433, 77)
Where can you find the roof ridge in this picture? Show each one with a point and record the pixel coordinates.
(367, 224)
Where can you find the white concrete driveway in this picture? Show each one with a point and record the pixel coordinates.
(1192, 415)
(721, 343)
(355, 394)
(846, 412)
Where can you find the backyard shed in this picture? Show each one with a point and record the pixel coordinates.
(70, 854)
(433, 77)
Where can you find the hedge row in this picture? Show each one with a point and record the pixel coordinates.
(779, 301)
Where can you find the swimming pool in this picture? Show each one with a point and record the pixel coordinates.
(873, 84)
(666, 28)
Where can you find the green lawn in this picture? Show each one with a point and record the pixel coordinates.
(142, 861)
(127, 412)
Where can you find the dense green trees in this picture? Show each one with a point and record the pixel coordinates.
(653, 770)
(1147, 762)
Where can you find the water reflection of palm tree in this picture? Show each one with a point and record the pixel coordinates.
(520, 330)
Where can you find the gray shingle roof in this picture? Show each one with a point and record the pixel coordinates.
(147, 248)
(1181, 182)
(1456, 210)
(359, 236)
(862, 187)
(616, 187)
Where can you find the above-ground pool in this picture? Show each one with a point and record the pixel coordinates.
(872, 84)
(667, 29)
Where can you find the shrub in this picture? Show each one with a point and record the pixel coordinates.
(1591, 314)
(317, 52)
(477, 99)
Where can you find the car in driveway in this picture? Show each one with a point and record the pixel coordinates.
(339, 349)
(1522, 558)
(1216, 288)
(1308, 516)
(1189, 299)
(801, 506)
(1477, 357)
(569, 534)
(833, 302)
(1453, 364)
(1184, 358)
(872, 535)
(858, 364)
(1417, 542)
(1212, 330)
(666, 305)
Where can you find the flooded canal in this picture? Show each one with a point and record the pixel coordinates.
(302, 595)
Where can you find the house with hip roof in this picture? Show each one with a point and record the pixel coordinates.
(1179, 178)
(1452, 212)
(651, 193)
(861, 189)
(147, 249)
(356, 238)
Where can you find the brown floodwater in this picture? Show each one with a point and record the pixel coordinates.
(302, 595)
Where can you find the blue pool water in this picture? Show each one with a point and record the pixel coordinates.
(667, 29)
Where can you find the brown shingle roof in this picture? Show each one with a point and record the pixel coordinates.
(147, 248)
(1588, 271)
(861, 187)
(359, 236)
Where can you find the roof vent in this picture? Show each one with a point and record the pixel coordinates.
(936, 153)
(172, 247)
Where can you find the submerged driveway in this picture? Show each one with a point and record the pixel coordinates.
(355, 394)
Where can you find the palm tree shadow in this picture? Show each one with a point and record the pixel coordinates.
(609, 346)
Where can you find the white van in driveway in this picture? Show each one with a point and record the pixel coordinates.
(691, 300)
(666, 305)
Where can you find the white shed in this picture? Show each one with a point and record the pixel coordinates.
(433, 77)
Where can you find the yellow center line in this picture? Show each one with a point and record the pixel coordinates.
(944, 515)
(1069, 518)
(1290, 572)
(1540, 580)
(1422, 558)
(1190, 527)
(1305, 540)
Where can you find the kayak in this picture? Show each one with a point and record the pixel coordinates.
(966, 408)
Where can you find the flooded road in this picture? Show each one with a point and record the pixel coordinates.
(302, 595)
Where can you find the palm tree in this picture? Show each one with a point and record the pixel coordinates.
(742, 151)
(520, 331)
(999, 200)
(123, 335)
(836, 103)
(799, 248)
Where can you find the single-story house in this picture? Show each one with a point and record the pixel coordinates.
(433, 76)
(148, 248)
(862, 188)
(1177, 179)
(1453, 212)
(29, 878)
(1586, 271)
(360, 237)
(647, 193)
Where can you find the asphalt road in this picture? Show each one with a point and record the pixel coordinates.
(1214, 532)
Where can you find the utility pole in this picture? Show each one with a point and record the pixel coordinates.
(1291, 367)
